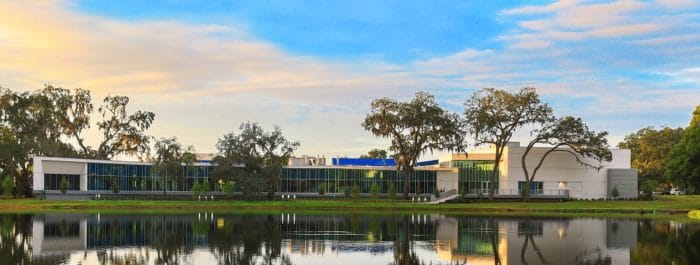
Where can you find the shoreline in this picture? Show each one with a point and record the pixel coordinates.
(663, 206)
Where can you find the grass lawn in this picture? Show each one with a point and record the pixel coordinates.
(664, 204)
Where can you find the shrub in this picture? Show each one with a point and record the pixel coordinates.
(436, 193)
(64, 185)
(374, 191)
(7, 186)
(227, 187)
(321, 190)
(115, 185)
(392, 191)
(355, 192)
(347, 190)
(196, 189)
(614, 192)
(205, 187)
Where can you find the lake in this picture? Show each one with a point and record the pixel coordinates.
(290, 238)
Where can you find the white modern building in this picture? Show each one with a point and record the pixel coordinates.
(560, 176)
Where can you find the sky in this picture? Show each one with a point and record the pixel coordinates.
(313, 67)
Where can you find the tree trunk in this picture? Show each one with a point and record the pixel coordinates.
(406, 185)
(526, 191)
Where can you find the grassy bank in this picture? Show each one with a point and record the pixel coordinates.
(664, 204)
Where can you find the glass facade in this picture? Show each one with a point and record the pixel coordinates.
(101, 176)
(336, 180)
(474, 175)
(53, 181)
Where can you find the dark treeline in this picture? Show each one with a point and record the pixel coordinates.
(667, 157)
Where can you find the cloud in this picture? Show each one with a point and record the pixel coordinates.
(591, 59)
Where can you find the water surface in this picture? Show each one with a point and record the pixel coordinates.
(289, 238)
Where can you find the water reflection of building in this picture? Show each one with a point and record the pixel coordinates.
(59, 234)
(471, 240)
(550, 241)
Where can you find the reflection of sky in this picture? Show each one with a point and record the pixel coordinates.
(443, 239)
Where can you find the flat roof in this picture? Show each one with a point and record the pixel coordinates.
(141, 163)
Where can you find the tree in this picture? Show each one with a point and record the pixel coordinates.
(414, 127)
(52, 120)
(227, 187)
(650, 149)
(493, 116)
(64, 185)
(683, 162)
(28, 126)
(392, 191)
(375, 153)
(255, 157)
(8, 186)
(374, 191)
(568, 135)
(170, 159)
(122, 133)
(355, 192)
(615, 192)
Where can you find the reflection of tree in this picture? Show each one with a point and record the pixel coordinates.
(243, 240)
(530, 240)
(170, 241)
(493, 230)
(14, 241)
(665, 243)
(111, 258)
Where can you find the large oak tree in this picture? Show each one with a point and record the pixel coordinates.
(414, 127)
(254, 158)
(494, 115)
(568, 135)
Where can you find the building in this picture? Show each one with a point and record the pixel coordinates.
(560, 176)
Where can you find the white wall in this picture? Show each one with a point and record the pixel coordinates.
(581, 181)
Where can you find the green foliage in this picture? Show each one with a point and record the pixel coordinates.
(115, 184)
(374, 191)
(614, 192)
(436, 193)
(261, 154)
(375, 153)
(414, 128)
(355, 192)
(567, 135)
(392, 191)
(196, 189)
(168, 161)
(683, 162)
(205, 187)
(227, 187)
(493, 116)
(347, 190)
(8, 185)
(321, 190)
(650, 149)
(63, 185)
(49, 121)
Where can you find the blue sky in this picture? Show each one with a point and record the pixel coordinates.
(313, 67)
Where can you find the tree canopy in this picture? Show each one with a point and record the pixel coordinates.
(414, 127)
(683, 162)
(650, 149)
(253, 156)
(568, 135)
(493, 115)
(169, 157)
(375, 153)
(52, 122)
